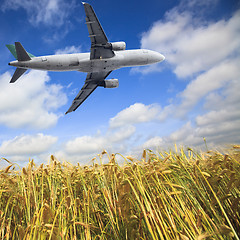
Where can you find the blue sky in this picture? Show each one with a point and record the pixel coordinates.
(193, 94)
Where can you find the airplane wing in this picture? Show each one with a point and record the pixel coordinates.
(93, 80)
(99, 41)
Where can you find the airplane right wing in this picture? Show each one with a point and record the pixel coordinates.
(99, 41)
(93, 80)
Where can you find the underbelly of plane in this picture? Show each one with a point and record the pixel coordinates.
(98, 65)
(81, 62)
(72, 64)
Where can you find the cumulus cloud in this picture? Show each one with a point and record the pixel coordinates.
(219, 121)
(191, 45)
(200, 5)
(116, 138)
(153, 143)
(136, 113)
(207, 54)
(216, 78)
(26, 145)
(84, 148)
(85, 145)
(121, 134)
(217, 133)
(48, 12)
(69, 49)
(30, 102)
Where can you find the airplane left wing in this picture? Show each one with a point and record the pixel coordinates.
(93, 80)
(99, 42)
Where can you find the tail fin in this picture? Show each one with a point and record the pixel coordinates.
(22, 55)
(12, 48)
(17, 74)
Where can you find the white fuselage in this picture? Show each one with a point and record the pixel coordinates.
(81, 61)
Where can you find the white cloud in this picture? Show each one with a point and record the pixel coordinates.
(220, 124)
(121, 134)
(217, 133)
(216, 78)
(26, 145)
(84, 148)
(223, 117)
(69, 49)
(30, 102)
(48, 12)
(208, 54)
(197, 4)
(136, 113)
(153, 143)
(187, 135)
(219, 121)
(215, 118)
(192, 45)
(214, 93)
(85, 145)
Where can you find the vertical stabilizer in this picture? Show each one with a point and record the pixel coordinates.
(18, 73)
(12, 49)
(22, 55)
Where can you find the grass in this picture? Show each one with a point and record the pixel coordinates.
(167, 195)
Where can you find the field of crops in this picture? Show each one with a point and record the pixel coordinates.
(167, 195)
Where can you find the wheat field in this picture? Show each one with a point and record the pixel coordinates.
(180, 194)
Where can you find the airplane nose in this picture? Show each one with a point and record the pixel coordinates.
(156, 57)
(162, 57)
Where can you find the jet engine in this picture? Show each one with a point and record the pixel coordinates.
(116, 46)
(109, 83)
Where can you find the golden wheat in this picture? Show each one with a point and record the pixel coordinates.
(166, 195)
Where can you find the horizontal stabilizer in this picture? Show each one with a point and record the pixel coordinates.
(18, 73)
(22, 55)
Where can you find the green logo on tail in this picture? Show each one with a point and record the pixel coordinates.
(12, 49)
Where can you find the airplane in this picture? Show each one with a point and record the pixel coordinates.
(104, 57)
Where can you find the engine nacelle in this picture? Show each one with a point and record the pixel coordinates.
(109, 83)
(118, 46)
